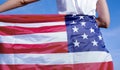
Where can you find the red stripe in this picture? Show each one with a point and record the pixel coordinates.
(30, 18)
(14, 30)
(85, 66)
(58, 47)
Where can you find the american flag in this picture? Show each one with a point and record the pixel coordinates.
(52, 42)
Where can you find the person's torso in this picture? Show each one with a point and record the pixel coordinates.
(86, 7)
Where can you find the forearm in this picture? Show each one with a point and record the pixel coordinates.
(11, 4)
(103, 19)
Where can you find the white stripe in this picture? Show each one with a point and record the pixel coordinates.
(55, 58)
(38, 38)
(32, 24)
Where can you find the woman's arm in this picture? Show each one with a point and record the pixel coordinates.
(103, 19)
(11, 4)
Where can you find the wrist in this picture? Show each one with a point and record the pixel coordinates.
(101, 23)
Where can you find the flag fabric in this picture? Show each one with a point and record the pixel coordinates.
(52, 42)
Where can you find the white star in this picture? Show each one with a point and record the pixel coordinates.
(92, 30)
(76, 43)
(73, 15)
(75, 29)
(83, 23)
(95, 43)
(85, 36)
(81, 17)
(100, 37)
(96, 25)
(73, 22)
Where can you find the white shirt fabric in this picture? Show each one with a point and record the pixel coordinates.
(85, 7)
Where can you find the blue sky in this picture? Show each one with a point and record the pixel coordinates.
(111, 35)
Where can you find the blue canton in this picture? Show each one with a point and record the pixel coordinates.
(83, 34)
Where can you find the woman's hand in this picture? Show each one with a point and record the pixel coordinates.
(24, 2)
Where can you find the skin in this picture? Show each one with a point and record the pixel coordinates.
(11, 4)
(103, 18)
